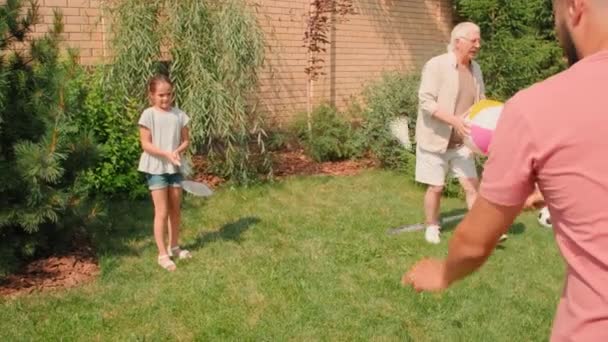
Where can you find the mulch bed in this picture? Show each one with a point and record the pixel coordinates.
(292, 163)
(52, 273)
(80, 266)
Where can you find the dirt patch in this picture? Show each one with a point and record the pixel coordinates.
(52, 273)
(199, 165)
(293, 163)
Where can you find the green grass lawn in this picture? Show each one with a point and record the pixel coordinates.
(303, 259)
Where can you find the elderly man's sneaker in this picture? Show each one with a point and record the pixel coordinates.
(432, 234)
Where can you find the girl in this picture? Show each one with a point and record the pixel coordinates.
(164, 137)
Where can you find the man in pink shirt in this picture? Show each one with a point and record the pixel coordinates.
(554, 134)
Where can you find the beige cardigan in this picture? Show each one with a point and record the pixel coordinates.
(439, 89)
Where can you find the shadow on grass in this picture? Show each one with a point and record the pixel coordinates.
(451, 225)
(125, 222)
(515, 229)
(230, 231)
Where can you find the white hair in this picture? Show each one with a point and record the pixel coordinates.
(461, 30)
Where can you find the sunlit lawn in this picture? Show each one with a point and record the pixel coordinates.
(303, 259)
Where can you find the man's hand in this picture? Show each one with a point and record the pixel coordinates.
(470, 246)
(463, 129)
(426, 275)
(458, 123)
(534, 201)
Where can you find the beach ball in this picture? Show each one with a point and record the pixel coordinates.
(482, 119)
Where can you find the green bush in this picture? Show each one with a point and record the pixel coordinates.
(113, 123)
(394, 95)
(44, 200)
(519, 45)
(279, 140)
(331, 137)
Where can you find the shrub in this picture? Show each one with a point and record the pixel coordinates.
(394, 95)
(519, 46)
(331, 137)
(43, 198)
(279, 140)
(113, 122)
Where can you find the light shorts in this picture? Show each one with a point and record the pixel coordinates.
(157, 182)
(432, 168)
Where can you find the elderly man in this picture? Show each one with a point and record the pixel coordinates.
(552, 134)
(451, 83)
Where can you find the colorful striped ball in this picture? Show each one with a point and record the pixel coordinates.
(482, 119)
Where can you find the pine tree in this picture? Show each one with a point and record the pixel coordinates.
(42, 153)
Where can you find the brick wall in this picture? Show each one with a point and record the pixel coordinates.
(83, 26)
(383, 35)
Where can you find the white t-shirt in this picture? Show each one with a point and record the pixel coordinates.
(165, 128)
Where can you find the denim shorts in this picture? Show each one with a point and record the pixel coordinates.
(156, 182)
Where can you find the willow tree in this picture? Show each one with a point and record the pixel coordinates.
(213, 52)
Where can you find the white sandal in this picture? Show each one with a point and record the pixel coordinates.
(165, 262)
(179, 253)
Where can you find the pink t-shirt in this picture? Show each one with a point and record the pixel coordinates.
(556, 134)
